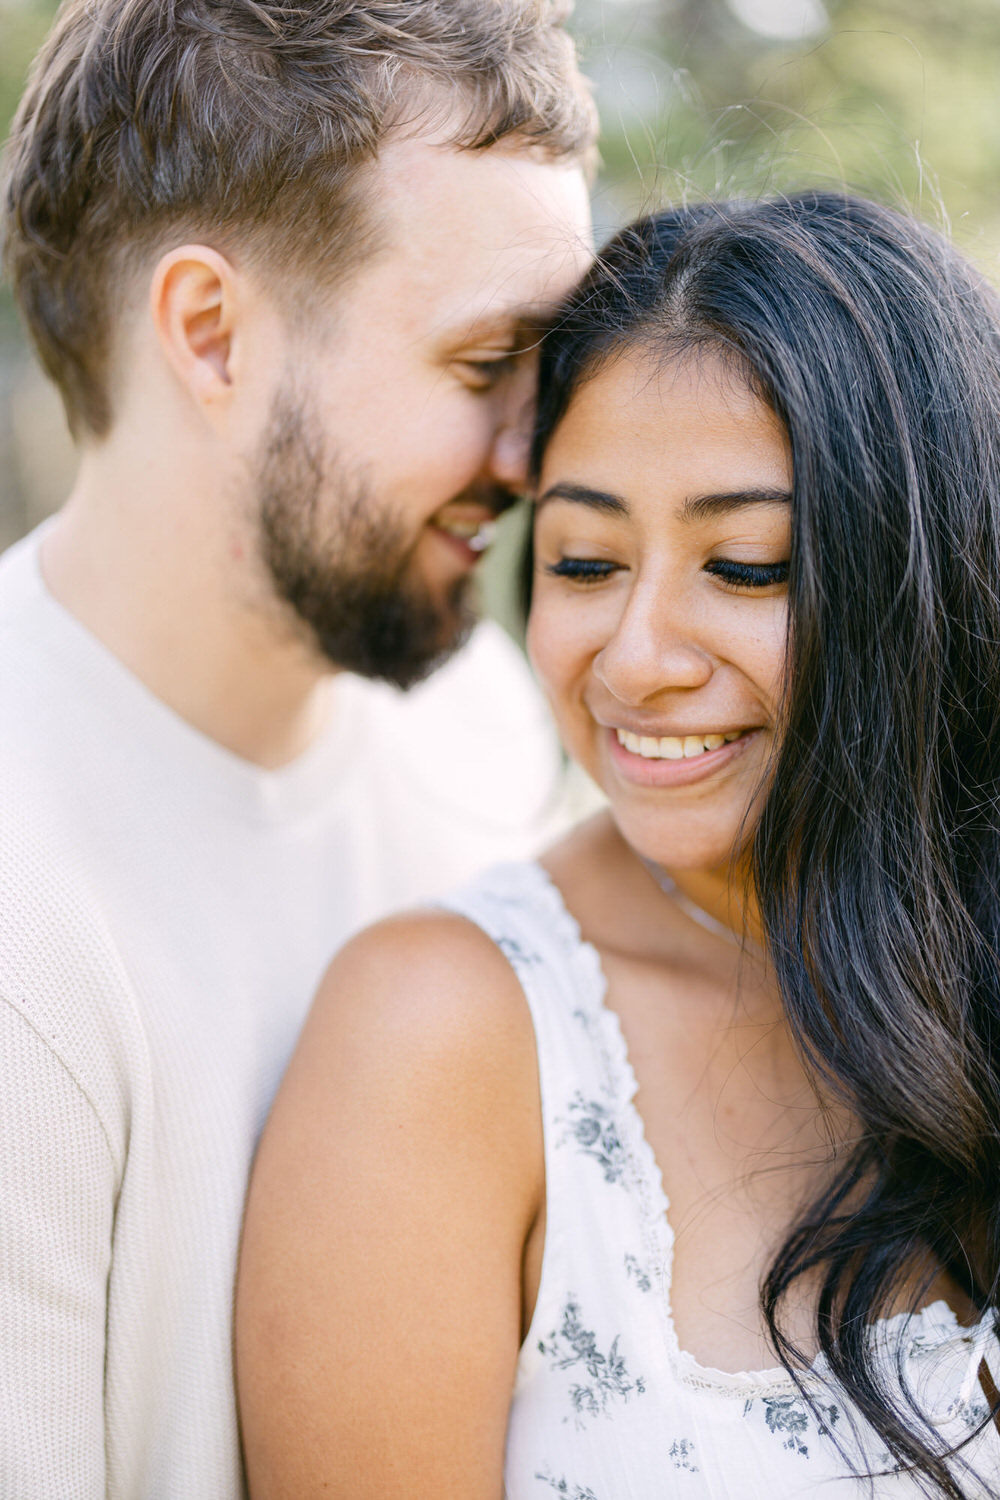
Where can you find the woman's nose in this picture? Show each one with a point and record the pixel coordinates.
(651, 652)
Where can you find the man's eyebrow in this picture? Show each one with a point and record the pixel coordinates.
(710, 507)
(525, 319)
(582, 494)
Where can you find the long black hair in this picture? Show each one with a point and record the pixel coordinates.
(876, 858)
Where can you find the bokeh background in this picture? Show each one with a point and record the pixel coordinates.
(898, 98)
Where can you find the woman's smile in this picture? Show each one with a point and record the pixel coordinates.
(670, 760)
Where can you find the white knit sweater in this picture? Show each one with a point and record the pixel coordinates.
(166, 910)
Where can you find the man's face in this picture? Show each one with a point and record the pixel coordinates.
(399, 423)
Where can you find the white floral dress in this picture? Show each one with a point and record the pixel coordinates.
(606, 1406)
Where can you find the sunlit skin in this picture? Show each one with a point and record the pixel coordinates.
(419, 373)
(399, 1196)
(424, 374)
(659, 607)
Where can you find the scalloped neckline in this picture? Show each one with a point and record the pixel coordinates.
(647, 1182)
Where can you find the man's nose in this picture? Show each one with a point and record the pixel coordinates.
(509, 461)
(651, 652)
(510, 454)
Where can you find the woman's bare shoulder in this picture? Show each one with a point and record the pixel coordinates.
(431, 978)
(418, 1017)
(394, 1190)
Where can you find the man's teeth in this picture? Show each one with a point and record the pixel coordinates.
(672, 748)
(483, 537)
(477, 535)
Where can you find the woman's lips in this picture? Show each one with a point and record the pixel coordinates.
(640, 771)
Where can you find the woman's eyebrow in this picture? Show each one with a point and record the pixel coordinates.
(695, 508)
(710, 507)
(582, 494)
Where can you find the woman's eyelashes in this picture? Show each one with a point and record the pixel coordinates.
(738, 575)
(581, 569)
(744, 575)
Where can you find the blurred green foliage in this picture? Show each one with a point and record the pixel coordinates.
(900, 98)
(896, 98)
(23, 24)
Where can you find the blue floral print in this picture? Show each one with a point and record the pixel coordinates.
(682, 1455)
(635, 1273)
(792, 1419)
(565, 1489)
(593, 1129)
(572, 1346)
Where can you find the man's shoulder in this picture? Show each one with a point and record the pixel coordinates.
(61, 974)
(20, 579)
(48, 901)
(33, 633)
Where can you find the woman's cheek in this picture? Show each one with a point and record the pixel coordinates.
(545, 643)
(563, 637)
(764, 652)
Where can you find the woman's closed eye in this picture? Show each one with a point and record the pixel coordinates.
(582, 569)
(746, 575)
(737, 575)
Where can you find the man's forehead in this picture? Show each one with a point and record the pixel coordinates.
(506, 202)
(470, 246)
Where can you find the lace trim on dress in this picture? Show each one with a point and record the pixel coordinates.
(909, 1336)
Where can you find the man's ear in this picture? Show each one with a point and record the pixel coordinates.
(194, 301)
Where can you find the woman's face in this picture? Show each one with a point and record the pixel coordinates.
(659, 615)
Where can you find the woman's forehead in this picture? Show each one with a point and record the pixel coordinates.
(687, 426)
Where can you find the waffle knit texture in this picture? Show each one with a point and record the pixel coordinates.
(166, 911)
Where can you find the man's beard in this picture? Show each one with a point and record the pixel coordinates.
(344, 563)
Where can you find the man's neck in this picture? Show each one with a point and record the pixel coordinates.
(177, 602)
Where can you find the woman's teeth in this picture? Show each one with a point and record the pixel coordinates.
(672, 748)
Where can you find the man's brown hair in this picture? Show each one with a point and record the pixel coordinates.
(248, 122)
